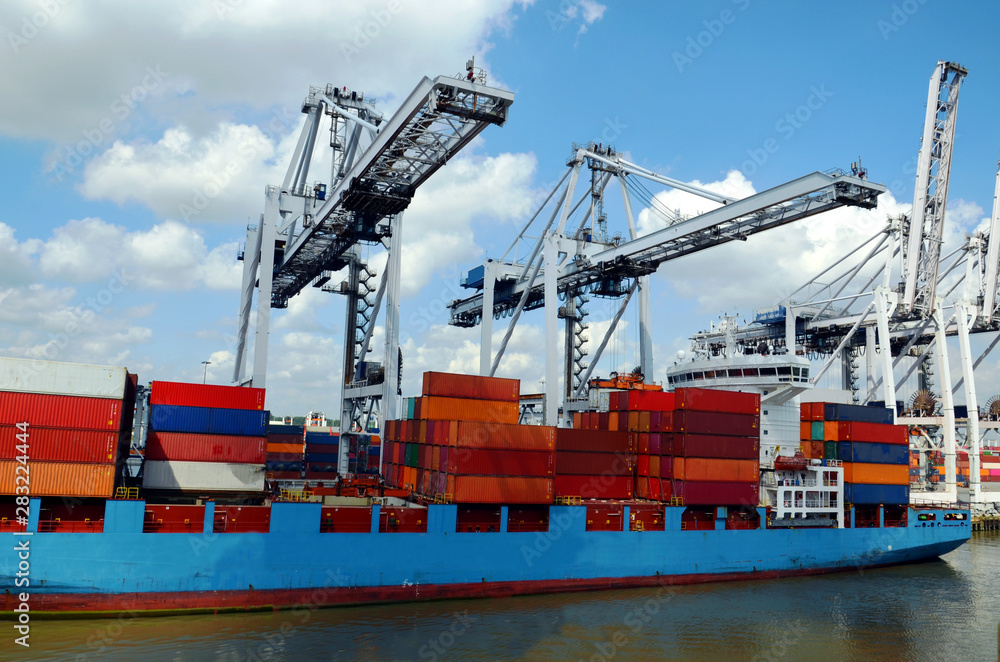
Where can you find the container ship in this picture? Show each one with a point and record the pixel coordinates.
(649, 488)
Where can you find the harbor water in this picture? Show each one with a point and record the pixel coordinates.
(947, 609)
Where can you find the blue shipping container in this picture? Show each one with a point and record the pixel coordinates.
(321, 457)
(837, 412)
(871, 495)
(204, 420)
(321, 438)
(873, 453)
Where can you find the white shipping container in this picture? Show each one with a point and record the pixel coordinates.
(213, 476)
(55, 378)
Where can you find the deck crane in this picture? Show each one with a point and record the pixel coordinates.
(310, 231)
(924, 230)
(581, 261)
(912, 318)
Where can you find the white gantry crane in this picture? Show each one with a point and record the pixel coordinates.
(852, 308)
(583, 261)
(311, 229)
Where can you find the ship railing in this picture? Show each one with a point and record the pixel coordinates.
(126, 493)
(569, 501)
(11, 525)
(72, 526)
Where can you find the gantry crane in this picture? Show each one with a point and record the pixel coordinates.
(584, 261)
(309, 231)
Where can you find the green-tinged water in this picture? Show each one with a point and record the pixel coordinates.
(942, 610)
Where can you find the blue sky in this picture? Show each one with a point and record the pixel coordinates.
(692, 90)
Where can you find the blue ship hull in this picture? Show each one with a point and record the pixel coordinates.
(295, 564)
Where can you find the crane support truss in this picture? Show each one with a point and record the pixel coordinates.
(926, 223)
(305, 235)
(584, 262)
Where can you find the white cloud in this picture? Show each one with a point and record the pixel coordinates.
(16, 265)
(260, 66)
(218, 177)
(168, 256)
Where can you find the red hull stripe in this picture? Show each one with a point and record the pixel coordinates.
(103, 605)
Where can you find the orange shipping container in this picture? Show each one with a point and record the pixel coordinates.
(613, 421)
(471, 386)
(578, 420)
(502, 489)
(468, 434)
(716, 470)
(422, 433)
(654, 465)
(436, 458)
(633, 421)
(805, 429)
(644, 421)
(465, 409)
(291, 449)
(60, 479)
(831, 431)
(876, 474)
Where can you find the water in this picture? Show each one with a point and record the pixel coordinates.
(941, 610)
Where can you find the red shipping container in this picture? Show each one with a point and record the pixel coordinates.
(720, 423)
(592, 464)
(642, 443)
(642, 468)
(709, 445)
(589, 440)
(722, 470)
(882, 433)
(468, 434)
(206, 395)
(666, 466)
(424, 457)
(603, 421)
(60, 411)
(646, 401)
(655, 443)
(285, 439)
(499, 462)
(60, 445)
(705, 399)
(454, 385)
(594, 487)
(656, 421)
(817, 411)
(502, 489)
(716, 494)
(284, 475)
(805, 411)
(613, 400)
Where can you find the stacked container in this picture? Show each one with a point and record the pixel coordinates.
(714, 446)
(285, 451)
(874, 452)
(461, 439)
(322, 453)
(205, 438)
(68, 424)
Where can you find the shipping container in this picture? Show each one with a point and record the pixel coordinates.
(466, 409)
(56, 378)
(709, 445)
(470, 434)
(716, 494)
(203, 476)
(831, 431)
(593, 464)
(861, 451)
(863, 494)
(830, 450)
(817, 431)
(205, 420)
(60, 411)
(701, 422)
(594, 487)
(282, 429)
(876, 474)
(499, 462)
(873, 432)
(330, 458)
(60, 445)
(839, 412)
(502, 489)
(58, 479)
(471, 386)
(701, 469)
(292, 449)
(593, 440)
(284, 439)
(211, 396)
(712, 400)
(206, 448)
(645, 401)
